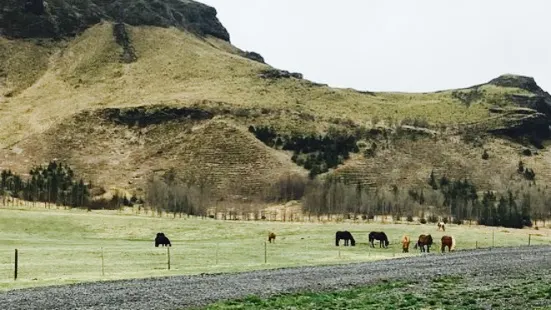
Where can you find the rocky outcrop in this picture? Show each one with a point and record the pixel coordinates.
(279, 74)
(254, 56)
(521, 123)
(517, 81)
(123, 39)
(62, 18)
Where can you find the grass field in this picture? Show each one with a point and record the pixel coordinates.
(67, 246)
(439, 293)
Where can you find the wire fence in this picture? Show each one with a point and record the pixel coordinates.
(82, 262)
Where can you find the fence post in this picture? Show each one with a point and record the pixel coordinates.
(476, 244)
(217, 253)
(529, 237)
(16, 265)
(168, 256)
(265, 252)
(102, 264)
(493, 238)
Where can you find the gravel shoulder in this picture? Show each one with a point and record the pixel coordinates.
(188, 291)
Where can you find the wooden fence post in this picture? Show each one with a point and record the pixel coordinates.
(217, 253)
(476, 244)
(265, 252)
(102, 264)
(16, 265)
(493, 238)
(529, 237)
(168, 256)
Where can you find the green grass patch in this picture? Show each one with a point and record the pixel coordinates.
(461, 294)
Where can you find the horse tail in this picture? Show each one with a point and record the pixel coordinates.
(453, 244)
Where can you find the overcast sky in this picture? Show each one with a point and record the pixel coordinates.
(396, 45)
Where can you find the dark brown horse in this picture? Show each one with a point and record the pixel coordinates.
(378, 235)
(271, 236)
(448, 241)
(424, 243)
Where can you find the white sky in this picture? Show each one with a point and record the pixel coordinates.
(396, 45)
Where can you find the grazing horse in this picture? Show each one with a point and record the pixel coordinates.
(424, 243)
(162, 240)
(441, 226)
(448, 241)
(405, 244)
(347, 236)
(378, 235)
(271, 236)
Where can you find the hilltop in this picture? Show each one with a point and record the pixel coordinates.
(123, 89)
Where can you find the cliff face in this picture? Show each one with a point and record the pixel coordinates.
(62, 18)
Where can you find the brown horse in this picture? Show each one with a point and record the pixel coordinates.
(448, 241)
(441, 226)
(271, 236)
(405, 244)
(424, 243)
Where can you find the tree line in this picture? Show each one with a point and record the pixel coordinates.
(54, 183)
(457, 200)
(170, 194)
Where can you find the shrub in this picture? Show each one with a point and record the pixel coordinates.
(432, 219)
(423, 221)
(410, 218)
(485, 155)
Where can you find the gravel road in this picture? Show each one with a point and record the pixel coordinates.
(185, 291)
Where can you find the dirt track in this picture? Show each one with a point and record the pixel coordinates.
(184, 291)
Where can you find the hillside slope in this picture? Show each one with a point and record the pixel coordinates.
(119, 101)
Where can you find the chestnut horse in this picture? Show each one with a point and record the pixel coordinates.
(405, 244)
(448, 241)
(271, 236)
(424, 243)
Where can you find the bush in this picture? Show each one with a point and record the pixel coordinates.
(445, 220)
(457, 221)
(423, 221)
(485, 155)
(410, 218)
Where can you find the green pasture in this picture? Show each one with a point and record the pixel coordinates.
(67, 246)
(455, 292)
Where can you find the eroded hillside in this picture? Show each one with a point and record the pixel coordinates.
(119, 99)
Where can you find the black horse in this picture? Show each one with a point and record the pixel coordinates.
(347, 236)
(162, 240)
(378, 235)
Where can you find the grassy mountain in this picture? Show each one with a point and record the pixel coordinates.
(123, 89)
